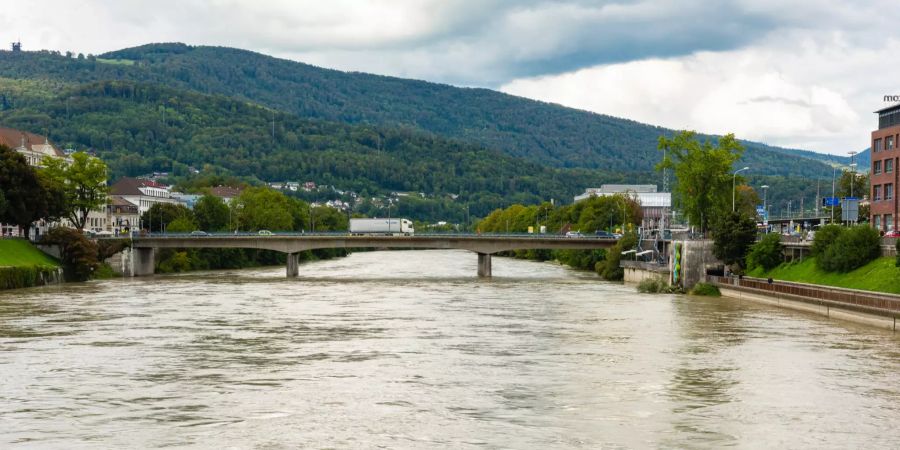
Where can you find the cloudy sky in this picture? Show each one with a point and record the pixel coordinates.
(804, 74)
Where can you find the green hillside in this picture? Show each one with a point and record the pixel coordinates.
(539, 132)
(138, 128)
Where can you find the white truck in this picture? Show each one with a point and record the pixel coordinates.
(381, 226)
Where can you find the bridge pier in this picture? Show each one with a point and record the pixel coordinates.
(293, 265)
(484, 265)
(143, 261)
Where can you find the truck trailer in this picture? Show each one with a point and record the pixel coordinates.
(382, 226)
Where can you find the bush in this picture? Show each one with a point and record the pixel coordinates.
(651, 286)
(824, 238)
(852, 249)
(25, 276)
(897, 249)
(706, 289)
(609, 268)
(766, 253)
(78, 253)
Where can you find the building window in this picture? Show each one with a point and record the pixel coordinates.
(876, 146)
(889, 191)
(876, 192)
(888, 142)
(888, 222)
(877, 168)
(876, 222)
(888, 165)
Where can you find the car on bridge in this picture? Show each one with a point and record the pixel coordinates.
(574, 234)
(605, 234)
(199, 233)
(265, 233)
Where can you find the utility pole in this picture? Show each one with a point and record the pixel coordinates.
(833, 172)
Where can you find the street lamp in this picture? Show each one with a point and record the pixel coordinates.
(765, 189)
(733, 188)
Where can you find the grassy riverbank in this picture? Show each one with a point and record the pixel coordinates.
(23, 265)
(880, 275)
(20, 253)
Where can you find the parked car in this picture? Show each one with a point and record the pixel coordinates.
(264, 233)
(103, 233)
(892, 234)
(604, 234)
(199, 233)
(574, 234)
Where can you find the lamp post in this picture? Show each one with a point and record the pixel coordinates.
(833, 173)
(733, 187)
(765, 189)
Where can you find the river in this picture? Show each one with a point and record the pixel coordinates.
(408, 349)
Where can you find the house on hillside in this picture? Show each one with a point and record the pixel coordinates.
(226, 193)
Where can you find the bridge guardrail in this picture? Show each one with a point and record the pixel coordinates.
(348, 234)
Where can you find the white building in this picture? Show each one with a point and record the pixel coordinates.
(654, 205)
(141, 193)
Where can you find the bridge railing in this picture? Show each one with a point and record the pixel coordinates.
(346, 233)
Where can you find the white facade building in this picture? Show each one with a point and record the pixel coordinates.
(654, 205)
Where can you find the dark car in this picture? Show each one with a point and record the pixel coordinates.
(604, 234)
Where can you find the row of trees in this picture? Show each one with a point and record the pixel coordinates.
(257, 208)
(616, 213)
(58, 190)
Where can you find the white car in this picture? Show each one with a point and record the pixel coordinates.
(574, 234)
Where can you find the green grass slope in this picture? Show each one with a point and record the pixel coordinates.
(20, 253)
(880, 275)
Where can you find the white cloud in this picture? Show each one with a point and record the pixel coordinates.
(814, 94)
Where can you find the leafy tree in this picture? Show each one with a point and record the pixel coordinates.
(329, 219)
(609, 268)
(78, 254)
(160, 215)
(262, 209)
(733, 234)
(704, 174)
(83, 182)
(212, 213)
(25, 195)
(2, 203)
(183, 224)
(746, 200)
(767, 253)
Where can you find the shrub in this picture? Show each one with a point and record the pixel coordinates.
(852, 249)
(766, 253)
(651, 286)
(897, 249)
(609, 268)
(824, 238)
(706, 289)
(78, 253)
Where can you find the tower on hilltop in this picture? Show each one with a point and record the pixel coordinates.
(17, 46)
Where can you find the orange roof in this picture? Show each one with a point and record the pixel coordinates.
(13, 138)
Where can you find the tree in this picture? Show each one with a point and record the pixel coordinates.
(84, 184)
(767, 253)
(183, 224)
(2, 203)
(160, 215)
(262, 209)
(853, 248)
(25, 195)
(733, 234)
(703, 172)
(78, 254)
(211, 213)
(746, 200)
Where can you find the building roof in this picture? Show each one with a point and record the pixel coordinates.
(622, 188)
(131, 186)
(888, 108)
(16, 139)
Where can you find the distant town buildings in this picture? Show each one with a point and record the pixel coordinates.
(141, 193)
(654, 205)
(884, 170)
(226, 193)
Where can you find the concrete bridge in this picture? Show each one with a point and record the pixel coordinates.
(483, 245)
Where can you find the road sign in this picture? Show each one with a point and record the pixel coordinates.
(830, 201)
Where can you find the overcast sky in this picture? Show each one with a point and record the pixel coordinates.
(804, 74)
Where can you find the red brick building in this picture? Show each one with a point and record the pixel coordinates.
(884, 170)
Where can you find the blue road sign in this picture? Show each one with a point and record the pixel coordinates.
(831, 201)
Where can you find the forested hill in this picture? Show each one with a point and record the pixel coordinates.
(138, 128)
(539, 132)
